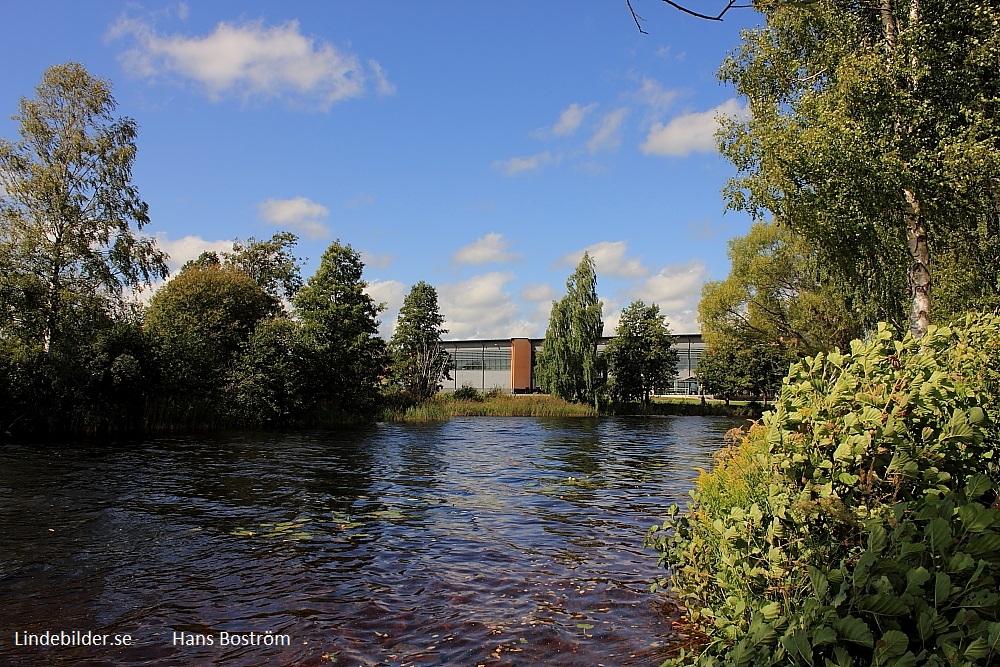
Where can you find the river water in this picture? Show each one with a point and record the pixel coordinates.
(470, 542)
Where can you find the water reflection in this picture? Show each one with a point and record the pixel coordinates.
(508, 541)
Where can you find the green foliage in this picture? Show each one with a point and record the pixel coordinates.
(735, 369)
(418, 361)
(777, 291)
(340, 324)
(467, 393)
(199, 321)
(641, 356)
(270, 263)
(271, 381)
(443, 406)
(859, 523)
(873, 133)
(568, 365)
(69, 245)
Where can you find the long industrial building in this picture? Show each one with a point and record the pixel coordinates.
(508, 364)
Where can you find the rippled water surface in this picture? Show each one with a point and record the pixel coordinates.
(471, 542)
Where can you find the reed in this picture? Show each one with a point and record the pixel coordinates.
(445, 406)
(507, 405)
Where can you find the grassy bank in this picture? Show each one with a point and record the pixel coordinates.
(445, 406)
(496, 404)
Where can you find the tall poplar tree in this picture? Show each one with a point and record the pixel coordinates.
(874, 133)
(418, 361)
(69, 241)
(568, 365)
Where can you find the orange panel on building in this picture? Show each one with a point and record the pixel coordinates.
(520, 364)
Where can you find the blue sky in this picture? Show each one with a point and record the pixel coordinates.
(480, 147)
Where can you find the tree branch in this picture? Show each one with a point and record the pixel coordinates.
(636, 18)
(678, 7)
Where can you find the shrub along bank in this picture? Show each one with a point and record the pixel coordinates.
(858, 523)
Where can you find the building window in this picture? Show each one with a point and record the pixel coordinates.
(489, 359)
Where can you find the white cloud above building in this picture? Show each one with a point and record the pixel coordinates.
(611, 259)
(251, 60)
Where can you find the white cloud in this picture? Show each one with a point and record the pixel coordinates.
(542, 293)
(360, 200)
(516, 165)
(653, 95)
(186, 248)
(480, 308)
(251, 60)
(491, 248)
(676, 289)
(391, 293)
(570, 119)
(382, 84)
(298, 214)
(690, 133)
(611, 259)
(608, 134)
(376, 261)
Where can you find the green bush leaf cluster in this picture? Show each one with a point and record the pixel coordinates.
(858, 523)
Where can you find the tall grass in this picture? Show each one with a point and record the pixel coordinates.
(507, 405)
(445, 406)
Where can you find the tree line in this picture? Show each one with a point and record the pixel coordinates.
(235, 338)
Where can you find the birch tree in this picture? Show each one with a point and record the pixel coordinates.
(873, 132)
(71, 215)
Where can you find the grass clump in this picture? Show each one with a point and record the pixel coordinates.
(489, 404)
(859, 522)
(508, 405)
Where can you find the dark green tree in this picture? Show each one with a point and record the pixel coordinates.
(568, 365)
(341, 324)
(724, 373)
(200, 320)
(418, 361)
(272, 381)
(270, 263)
(69, 242)
(641, 356)
(732, 369)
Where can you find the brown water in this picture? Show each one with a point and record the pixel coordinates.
(472, 542)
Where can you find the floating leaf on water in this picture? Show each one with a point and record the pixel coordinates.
(242, 532)
(582, 483)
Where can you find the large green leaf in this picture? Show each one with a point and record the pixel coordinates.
(854, 630)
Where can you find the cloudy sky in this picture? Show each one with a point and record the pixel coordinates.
(481, 147)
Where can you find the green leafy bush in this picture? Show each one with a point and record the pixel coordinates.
(859, 522)
(467, 393)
